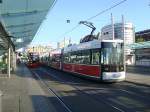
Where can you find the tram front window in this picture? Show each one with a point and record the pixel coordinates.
(112, 57)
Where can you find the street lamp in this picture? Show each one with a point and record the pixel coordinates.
(68, 21)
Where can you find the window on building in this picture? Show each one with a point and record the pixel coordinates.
(128, 28)
(107, 32)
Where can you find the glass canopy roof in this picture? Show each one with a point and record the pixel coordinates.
(139, 45)
(22, 18)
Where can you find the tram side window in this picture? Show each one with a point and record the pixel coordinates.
(46, 58)
(66, 58)
(73, 57)
(79, 58)
(57, 58)
(86, 57)
(53, 59)
(95, 57)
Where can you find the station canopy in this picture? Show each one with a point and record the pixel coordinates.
(22, 18)
(139, 45)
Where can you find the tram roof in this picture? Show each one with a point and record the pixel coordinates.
(22, 18)
(82, 46)
(88, 45)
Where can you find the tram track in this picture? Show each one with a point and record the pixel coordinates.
(124, 108)
(132, 88)
(116, 109)
(53, 92)
(127, 87)
(100, 98)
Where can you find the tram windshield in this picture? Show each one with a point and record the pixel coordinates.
(112, 56)
(33, 57)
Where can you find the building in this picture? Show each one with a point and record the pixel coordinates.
(40, 49)
(129, 35)
(142, 54)
(63, 43)
(142, 36)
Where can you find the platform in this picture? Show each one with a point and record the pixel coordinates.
(138, 74)
(22, 93)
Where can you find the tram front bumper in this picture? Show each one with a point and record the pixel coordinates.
(113, 76)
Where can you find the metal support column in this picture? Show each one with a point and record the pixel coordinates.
(112, 24)
(8, 63)
(124, 42)
(14, 61)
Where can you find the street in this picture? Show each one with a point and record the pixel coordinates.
(83, 95)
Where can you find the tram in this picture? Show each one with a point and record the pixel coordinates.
(56, 59)
(102, 60)
(33, 60)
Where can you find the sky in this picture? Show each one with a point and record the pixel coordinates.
(54, 27)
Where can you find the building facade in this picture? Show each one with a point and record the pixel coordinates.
(63, 43)
(40, 49)
(142, 54)
(119, 31)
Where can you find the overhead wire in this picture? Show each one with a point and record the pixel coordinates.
(92, 17)
(69, 31)
(105, 10)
